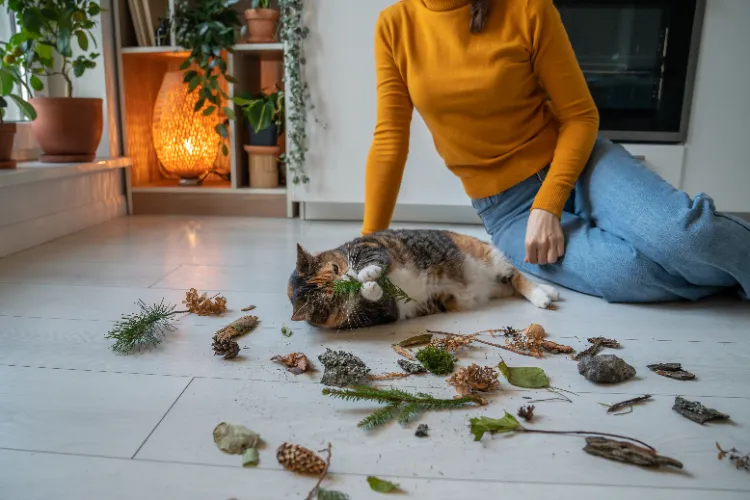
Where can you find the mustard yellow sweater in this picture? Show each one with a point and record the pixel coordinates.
(501, 105)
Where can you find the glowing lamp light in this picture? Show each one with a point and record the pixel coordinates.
(186, 143)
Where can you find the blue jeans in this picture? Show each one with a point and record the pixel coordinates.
(630, 236)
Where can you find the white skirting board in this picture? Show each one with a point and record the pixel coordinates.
(403, 213)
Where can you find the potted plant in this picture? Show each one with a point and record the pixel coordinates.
(68, 129)
(265, 115)
(10, 80)
(261, 22)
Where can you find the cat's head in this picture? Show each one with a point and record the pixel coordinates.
(310, 288)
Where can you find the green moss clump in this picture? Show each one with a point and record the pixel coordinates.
(437, 360)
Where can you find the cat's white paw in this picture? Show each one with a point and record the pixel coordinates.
(540, 298)
(370, 273)
(551, 291)
(371, 291)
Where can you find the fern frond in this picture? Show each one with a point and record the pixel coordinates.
(144, 328)
(377, 418)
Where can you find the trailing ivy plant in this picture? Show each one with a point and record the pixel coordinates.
(208, 29)
(293, 34)
(49, 26)
(11, 80)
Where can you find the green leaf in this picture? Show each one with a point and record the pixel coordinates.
(83, 40)
(63, 42)
(50, 14)
(209, 110)
(331, 495)
(194, 83)
(221, 129)
(185, 64)
(78, 68)
(189, 76)
(36, 83)
(250, 458)
(480, 425)
(528, 377)
(26, 108)
(199, 104)
(94, 9)
(381, 485)
(416, 340)
(229, 112)
(224, 150)
(7, 81)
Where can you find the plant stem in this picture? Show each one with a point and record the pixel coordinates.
(587, 433)
(314, 491)
(507, 348)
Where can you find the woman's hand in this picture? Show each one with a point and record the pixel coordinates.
(545, 242)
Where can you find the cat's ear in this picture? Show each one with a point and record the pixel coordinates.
(298, 314)
(304, 260)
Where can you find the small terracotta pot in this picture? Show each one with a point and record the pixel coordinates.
(68, 129)
(7, 135)
(261, 25)
(264, 166)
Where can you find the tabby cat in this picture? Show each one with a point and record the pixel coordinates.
(439, 271)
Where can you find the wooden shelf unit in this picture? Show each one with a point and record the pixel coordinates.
(140, 73)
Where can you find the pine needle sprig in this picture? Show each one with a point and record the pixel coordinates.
(351, 287)
(401, 405)
(144, 328)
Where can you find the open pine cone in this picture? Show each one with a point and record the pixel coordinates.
(299, 459)
(474, 378)
(227, 348)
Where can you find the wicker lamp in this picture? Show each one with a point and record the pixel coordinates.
(185, 142)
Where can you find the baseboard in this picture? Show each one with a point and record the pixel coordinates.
(403, 213)
(29, 233)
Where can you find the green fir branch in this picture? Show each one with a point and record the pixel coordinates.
(351, 287)
(142, 329)
(401, 405)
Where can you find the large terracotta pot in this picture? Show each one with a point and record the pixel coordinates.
(68, 129)
(7, 135)
(261, 25)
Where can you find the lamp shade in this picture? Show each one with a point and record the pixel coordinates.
(186, 143)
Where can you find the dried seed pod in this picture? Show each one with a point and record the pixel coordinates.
(299, 459)
(535, 332)
(237, 327)
(526, 412)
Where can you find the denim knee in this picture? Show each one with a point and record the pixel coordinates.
(633, 278)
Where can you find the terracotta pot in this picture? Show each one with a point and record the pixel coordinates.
(261, 25)
(7, 135)
(264, 166)
(68, 129)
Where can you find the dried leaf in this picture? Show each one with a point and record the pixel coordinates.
(250, 458)
(696, 412)
(474, 378)
(331, 495)
(202, 305)
(403, 352)
(235, 439)
(416, 340)
(741, 462)
(248, 308)
(295, 362)
(528, 377)
(480, 425)
(381, 485)
(237, 328)
(622, 451)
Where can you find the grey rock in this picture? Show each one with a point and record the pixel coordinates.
(605, 369)
(342, 368)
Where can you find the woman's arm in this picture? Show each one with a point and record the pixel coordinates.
(390, 144)
(556, 67)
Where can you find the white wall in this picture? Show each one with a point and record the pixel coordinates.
(718, 147)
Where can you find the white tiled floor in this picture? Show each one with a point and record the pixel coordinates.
(79, 422)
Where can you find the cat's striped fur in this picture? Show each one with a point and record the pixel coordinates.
(439, 270)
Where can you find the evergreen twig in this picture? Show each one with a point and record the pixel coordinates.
(401, 405)
(144, 328)
(350, 287)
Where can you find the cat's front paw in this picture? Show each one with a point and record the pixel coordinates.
(370, 273)
(543, 296)
(371, 291)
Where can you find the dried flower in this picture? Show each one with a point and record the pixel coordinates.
(526, 412)
(741, 462)
(295, 362)
(202, 305)
(474, 378)
(452, 343)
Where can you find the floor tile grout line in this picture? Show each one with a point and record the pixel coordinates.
(162, 418)
(179, 266)
(358, 474)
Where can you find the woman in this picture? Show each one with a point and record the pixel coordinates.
(499, 87)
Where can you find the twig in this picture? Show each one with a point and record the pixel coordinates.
(587, 433)
(628, 402)
(562, 397)
(507, 348)
(314, 491)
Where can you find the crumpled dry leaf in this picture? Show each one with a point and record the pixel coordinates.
(480, 425)
(202, 305)
(474, 378)
(295, 362)
(235, 439)
(236, 328)
(528, 377)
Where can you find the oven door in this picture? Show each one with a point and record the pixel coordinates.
(638, 60)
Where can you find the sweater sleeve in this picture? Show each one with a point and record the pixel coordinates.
(390, 144)
(556, 68)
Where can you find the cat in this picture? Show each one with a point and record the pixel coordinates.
(440, 271)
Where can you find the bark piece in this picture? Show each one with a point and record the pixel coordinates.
(693, 410)
(622, 451)
(671, 370)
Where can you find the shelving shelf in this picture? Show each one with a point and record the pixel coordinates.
(141, 69)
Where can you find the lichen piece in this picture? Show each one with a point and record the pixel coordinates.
(235, 439)
(695, 411)
(342, 368)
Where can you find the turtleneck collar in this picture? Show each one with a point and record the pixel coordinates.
(444, 5)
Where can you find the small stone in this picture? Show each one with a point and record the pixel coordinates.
(422, 431)
(605, 369)
(693, 410)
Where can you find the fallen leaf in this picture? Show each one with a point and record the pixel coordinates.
(381, 485)
(403, 352)
(235, 439)
(295, 362)
(250, 458)
(331, 495)
(528, 377)
(480, 425)
(416, 340)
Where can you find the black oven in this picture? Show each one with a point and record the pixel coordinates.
(639, 59)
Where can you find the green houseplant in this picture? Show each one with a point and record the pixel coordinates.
(261, 21)
(10, 81)
(67, 128)
(265, 115)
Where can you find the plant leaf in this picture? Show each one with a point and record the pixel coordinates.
(209, 110)
(26, 108)
(36, 83)
(229, 113)
(250, 458)
(331, 495)
(381, 485)
(480, 425)
(7, 81)
(83, 40)
(185, 64)
(528, 377)
(416, 340)
(63, 42)
(221, 129)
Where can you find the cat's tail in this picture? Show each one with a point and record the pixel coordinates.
(540, 295)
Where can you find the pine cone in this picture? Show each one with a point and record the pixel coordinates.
(227, 348)
(298, 459)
